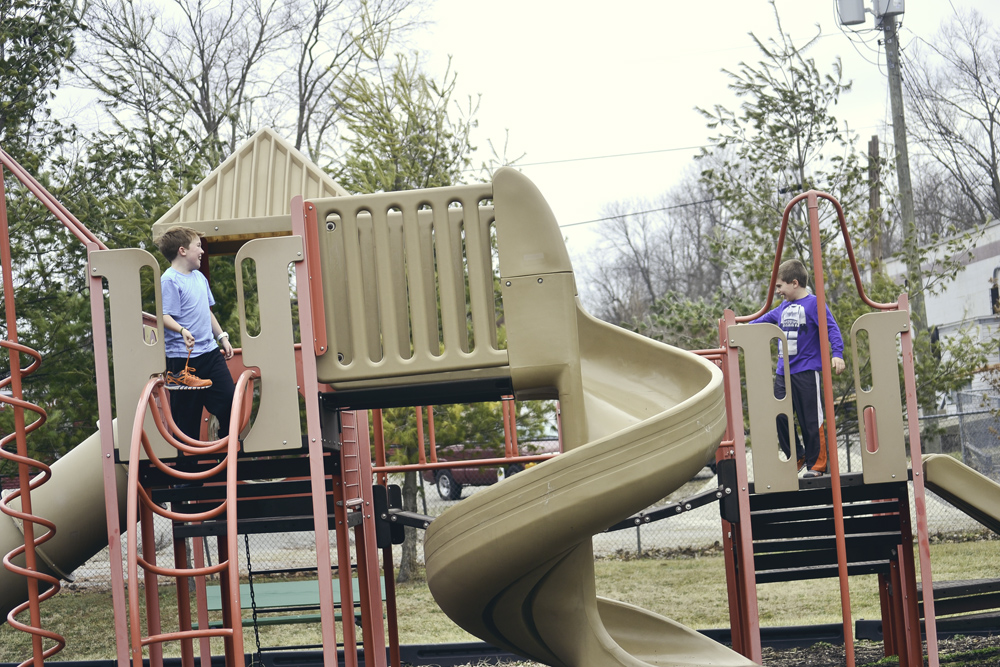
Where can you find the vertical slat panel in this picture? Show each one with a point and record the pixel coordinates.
(480, 276)
(450, 280)
(428, 283)
(354, 279)
(367, 289)
(386, 296)
(485, 226)
(423, 309)
(397, 249)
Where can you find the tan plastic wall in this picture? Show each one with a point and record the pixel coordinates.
(74, 500)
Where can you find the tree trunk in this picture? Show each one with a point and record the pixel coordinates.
(408, 564)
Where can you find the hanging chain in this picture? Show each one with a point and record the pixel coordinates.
(253, 604)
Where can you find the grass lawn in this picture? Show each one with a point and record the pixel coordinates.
(689, 590)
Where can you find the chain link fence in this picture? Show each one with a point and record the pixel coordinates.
(970, 433)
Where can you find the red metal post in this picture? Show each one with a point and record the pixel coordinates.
(421, 453)
(430, 433)
(153, 621)
(919, 497)
(201, 598)
(183, 603)
(367, 553)
(103, 378)
(311, 311)
(747, 576)
(831, 427)
(24, 463)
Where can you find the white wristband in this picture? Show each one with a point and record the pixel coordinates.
(221, 336)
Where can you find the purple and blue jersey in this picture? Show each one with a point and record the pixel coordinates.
(799, 320)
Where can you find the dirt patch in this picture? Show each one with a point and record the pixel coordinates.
(978, 651)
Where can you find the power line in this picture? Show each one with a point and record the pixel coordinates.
(626, 215)
(605, 157)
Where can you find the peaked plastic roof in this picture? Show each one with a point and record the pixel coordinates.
(248, 195)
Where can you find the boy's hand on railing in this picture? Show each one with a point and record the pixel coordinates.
(838, 365)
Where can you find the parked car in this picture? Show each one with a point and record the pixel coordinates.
(451, 481)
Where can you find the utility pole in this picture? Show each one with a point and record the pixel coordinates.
(874, 202)
(914, 275)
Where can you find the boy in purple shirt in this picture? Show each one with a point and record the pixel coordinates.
(191, 332)
(798, 317)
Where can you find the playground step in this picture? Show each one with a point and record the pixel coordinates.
(274, 600)
(964, 596)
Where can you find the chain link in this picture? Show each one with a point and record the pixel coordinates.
(259, 658)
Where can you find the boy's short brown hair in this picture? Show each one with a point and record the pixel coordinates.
(791, 270)
(174, 239)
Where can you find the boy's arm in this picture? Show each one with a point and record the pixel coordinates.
(170, 323)
(836, 343)
(217, 331)
(770, 316)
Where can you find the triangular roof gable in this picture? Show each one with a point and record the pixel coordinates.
(247, 196)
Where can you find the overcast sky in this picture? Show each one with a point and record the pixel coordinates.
(572, 82)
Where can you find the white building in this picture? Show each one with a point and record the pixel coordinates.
(969, 299)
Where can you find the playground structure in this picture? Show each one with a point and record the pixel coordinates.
(396, 307)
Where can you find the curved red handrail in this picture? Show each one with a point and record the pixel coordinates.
(847, 244)
(136, 495)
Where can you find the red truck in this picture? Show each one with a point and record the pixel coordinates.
(451, 481)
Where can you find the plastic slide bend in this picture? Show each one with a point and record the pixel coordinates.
(74, 500)
(965, 488)
(514, 565)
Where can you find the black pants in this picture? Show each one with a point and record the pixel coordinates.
(808, 410)
(186, 404)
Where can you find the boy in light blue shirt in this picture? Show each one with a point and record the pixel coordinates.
(193, 337)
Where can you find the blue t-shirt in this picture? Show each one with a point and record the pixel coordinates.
(799, 320)
(187, 298)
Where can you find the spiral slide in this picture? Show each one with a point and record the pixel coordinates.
(74, 500)
(514, 563)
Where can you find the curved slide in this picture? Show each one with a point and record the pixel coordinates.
(968, 490)
(74, 500)
(514, 563)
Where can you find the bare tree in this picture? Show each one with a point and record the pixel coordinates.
(953, 96)
(654, 248)
(215, 72)
(341, 40)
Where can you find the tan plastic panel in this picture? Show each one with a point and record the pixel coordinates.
(529, 239)
(276, 426)
(770, 472)
(136, 357)
(74, 500)
(539, 302)
(544, 349)
(250, 192)
(396, 268)
(968, 490)
(888, 463)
